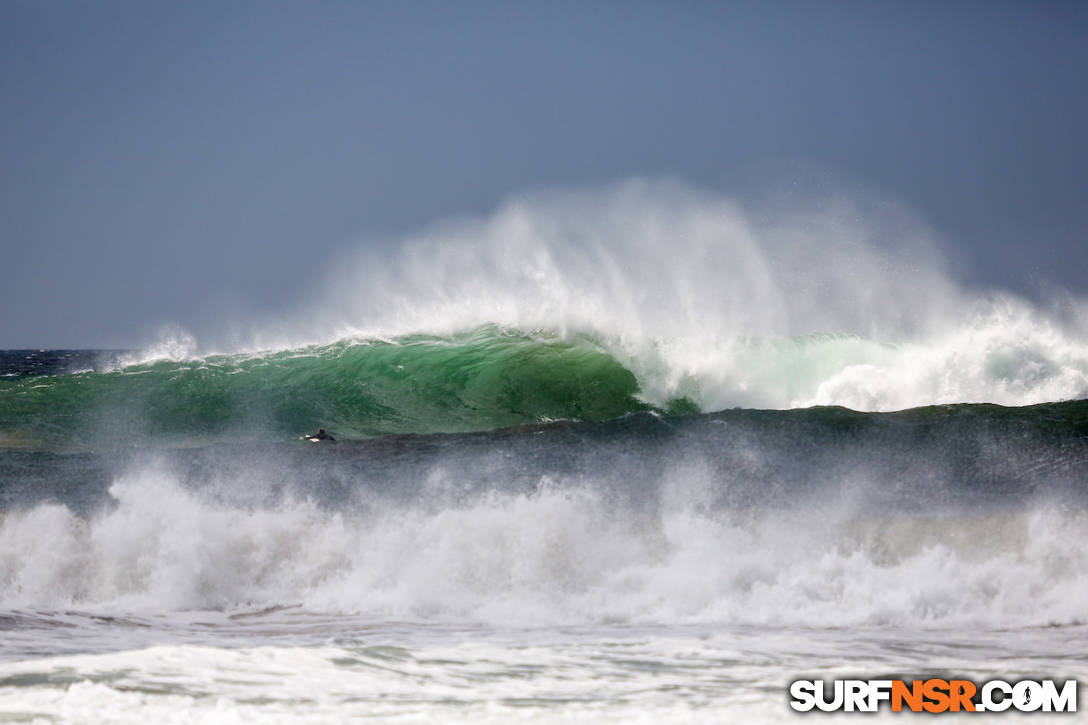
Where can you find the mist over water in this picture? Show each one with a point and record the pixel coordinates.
(650, 260)
(584, 468)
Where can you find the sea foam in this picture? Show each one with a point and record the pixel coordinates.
(565, 553)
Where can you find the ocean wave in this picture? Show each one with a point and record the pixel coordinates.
(493, 377)
(588, 306)
(484, 379)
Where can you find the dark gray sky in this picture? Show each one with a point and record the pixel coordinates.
(162, 161)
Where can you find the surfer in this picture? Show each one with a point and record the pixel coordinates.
(321, 435)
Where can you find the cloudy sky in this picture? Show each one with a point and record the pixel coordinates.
(165, 162)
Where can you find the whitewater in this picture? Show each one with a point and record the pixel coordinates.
(640, 453)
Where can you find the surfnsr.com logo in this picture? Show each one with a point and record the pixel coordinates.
(934, 695)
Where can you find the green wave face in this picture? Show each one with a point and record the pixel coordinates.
(485, 379)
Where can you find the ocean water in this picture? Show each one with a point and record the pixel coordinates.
(622, 457)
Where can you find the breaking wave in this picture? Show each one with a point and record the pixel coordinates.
(562, 553)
